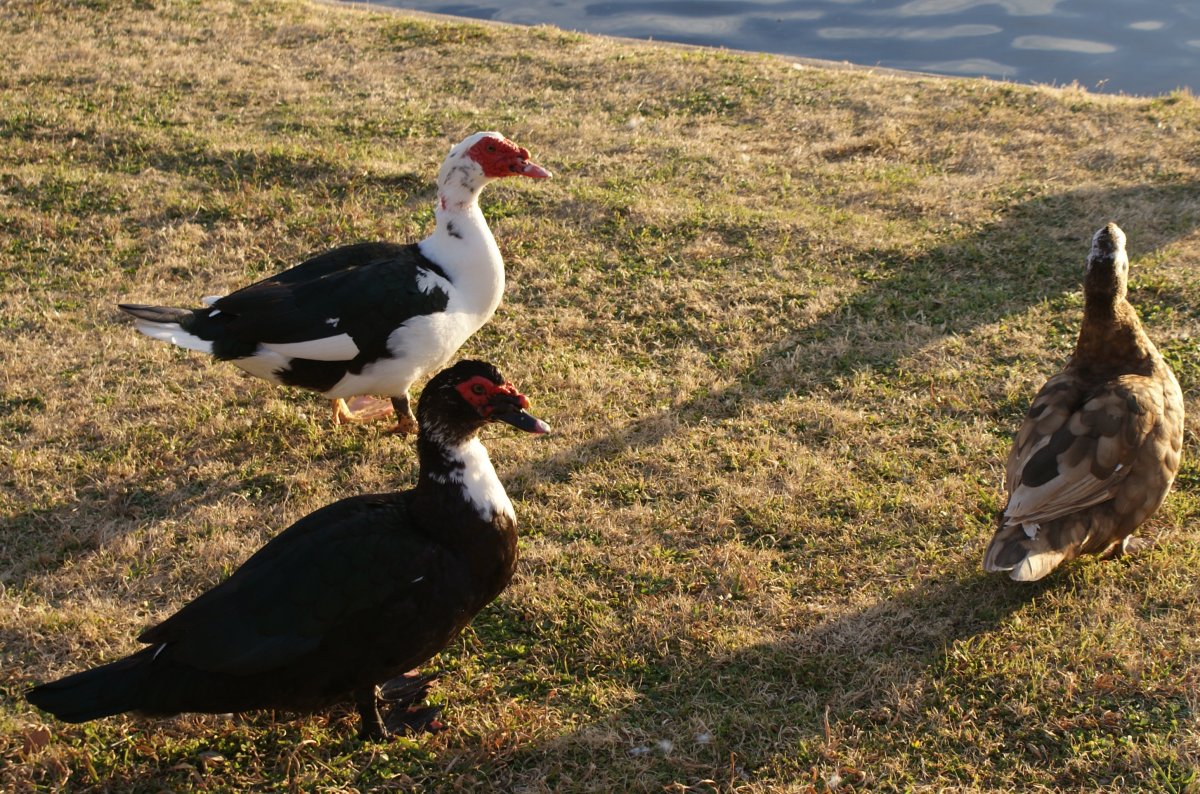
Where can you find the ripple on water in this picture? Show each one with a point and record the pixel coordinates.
(1016, 8)
(912, 34)
(972, 67)
(1057, 44)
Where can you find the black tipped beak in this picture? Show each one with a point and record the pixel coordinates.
(521, 419)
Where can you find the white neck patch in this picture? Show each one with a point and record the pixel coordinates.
(481, 487)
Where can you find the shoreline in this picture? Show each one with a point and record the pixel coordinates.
(806, 61)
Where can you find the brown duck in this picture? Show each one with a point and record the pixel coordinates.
(1100, 446)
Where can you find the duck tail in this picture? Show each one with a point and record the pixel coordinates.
(168, 324)
(1025, 558)
(100, 692)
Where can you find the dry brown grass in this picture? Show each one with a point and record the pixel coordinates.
(784, 321)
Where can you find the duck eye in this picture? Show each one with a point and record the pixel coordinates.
(491, 147)
(478, 389)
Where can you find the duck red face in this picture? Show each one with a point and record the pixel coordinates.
(501, 403)
(499, 157)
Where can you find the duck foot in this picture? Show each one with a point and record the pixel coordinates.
(400, 721)
(1129, 545)
(406, 423)
(362, 408)
(414, 720)
(407, 689)
(402, 695)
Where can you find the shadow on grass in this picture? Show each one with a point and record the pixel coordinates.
(172, 480)
(43, 539)
(793, 699)
(775, 698)
(780, 709)
(915, 678)
(846, 663)
(1037, 252)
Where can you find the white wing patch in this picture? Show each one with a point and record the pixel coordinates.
(422, 344)
(1036, 565)
(265, 364)
(329, 348)
(427, 281)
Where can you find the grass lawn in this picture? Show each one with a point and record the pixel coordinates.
(784, 319)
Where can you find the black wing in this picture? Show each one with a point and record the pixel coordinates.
(351, 567)
(364, 291)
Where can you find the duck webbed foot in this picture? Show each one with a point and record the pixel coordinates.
(401, 698)
(406, 423)
(404, 695)
(362, 408)
(1130, 545)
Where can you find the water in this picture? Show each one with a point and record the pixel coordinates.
(1142, 47)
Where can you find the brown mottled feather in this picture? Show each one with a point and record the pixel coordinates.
(1101, 443)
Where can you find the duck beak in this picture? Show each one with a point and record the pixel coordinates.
(508, 405)
(530, 169)
(522, 420)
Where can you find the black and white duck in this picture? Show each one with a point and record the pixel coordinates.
(369, 318)
(348, 598)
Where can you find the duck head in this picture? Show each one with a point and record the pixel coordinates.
(479, 159)
(1107, 276)
(461, 399)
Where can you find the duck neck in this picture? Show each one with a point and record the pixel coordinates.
(1111, 334)
(457, 474)
(461, 242)
(461, 503)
